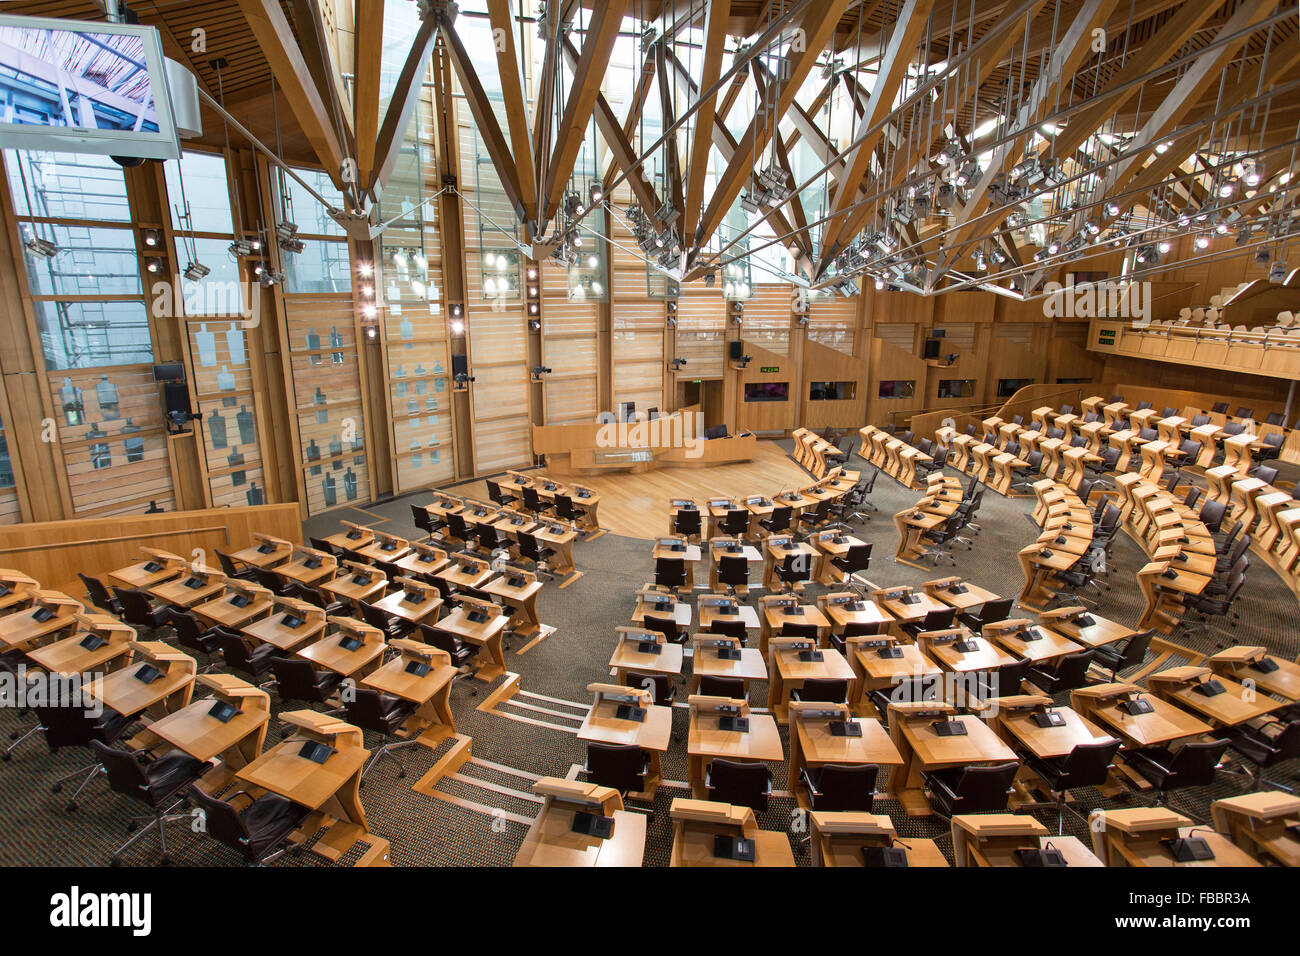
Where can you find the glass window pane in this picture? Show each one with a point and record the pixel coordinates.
(220, 292)
(304, 209)
(205, 189)
(90, 334)
(90, 261)
(322, 266)
(67, 185)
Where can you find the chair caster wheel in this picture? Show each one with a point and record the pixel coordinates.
(402, 775)
(361, 785)
(165, 861)
(72, 808)
(116, 861)
(6, 757)
(130, 827)
(56, 788)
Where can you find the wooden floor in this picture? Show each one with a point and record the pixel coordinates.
(637, 505)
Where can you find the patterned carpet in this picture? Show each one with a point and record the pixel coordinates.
(425, 831)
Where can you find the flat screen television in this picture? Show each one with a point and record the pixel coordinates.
(82, 87)
(767, 391)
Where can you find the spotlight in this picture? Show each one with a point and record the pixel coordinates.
(152, 238)
(240, 248)
(1163, 247)
(456, 310)
(457, 327)
(286, 230)
(596, 193)
(42, 247)
(1202, 242)
(1277, 273)
(365, 269)
(153, 265)
(1112, 209)
(196, 271)
(294, 245)
(1262, 256)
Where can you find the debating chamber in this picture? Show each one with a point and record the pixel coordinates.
(650, 433)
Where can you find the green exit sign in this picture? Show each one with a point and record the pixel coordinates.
(766, 369)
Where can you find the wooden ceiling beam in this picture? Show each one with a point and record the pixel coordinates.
(365, 87)
(275, 37)
(817, 27)
(593, 60)
(485, 120)
(715, 35)
(401, 105)
(501, 16)
(908, 28)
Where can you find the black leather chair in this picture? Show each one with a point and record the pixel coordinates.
(971, 789)
(254, 663)
(566, 509)
(1192, 765)
(734, 524)
(937, 620)
(73, 727)
(851, 629)
(840, 786)
(821, 689)
(1124, 654)
(815, 517)
(733, 572)
(990, 612)
(670, 573)
(462, 653)
(857, 558)
(392, 627)
(778, 520)
(1087, 765)
(382, 714)
(533, 501)
(736, 629)
(1265, 746)
(621, 767)
(99, 595)
(794, 570)
(255, 828)
(139, 611)
(232, 570)
(732, 687)
(427, 522)
(797, 628)
(192, 636)
(660, 685)
(531, 550)
(738, 782)
(1005, 681)
(666, 625)
(297, 679)
(498, 496)
(1068, 673)
(158, 783)
(686, 522)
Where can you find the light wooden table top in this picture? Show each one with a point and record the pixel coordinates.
(820, 746)
(283, 770)
(602, 726)
(194, 730)
(761, 742)
(978, 745)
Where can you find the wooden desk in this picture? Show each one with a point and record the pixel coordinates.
(876, 673)
(521, 599)
(178, 591)
(551, 840)
(992, 839)
(422, 610)
(1236, 705)
(224, 609)
(846, 609)
(831, 545)
(697, 822)
(432, 721)
(274, 631)
(1015, 723)
(661, 602)
(1101, 631)
(384, 548)
(356, 583)
(71, 656)
(331, 788)
(707, 662)
(775, 552)
(22, 631)
(910, 728)
(560, 538)
(1016, 638)
(330, 653)
(1136, 837)
(354, 537)
(813, 744)
(779, 611)
(714, 607)
(603, 725)
(193, 729)
(837, 839)
(1236, 663)
(124, 692)
(787, 672)
(761, 743)
(1101, 704)
(628, 655)
(422, 559)
(939, 647)
(1262, 824)
(491, 662)
(954, 592)
(266, 554)
(308, 568)
(898, 604)
(912, 524)
(138, 575)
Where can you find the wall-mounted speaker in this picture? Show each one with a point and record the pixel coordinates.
(736, 350)
(459, 365)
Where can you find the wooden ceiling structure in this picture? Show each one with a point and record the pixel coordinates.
(992, 143)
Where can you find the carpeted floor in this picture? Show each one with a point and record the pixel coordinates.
(425, 831)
